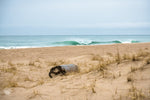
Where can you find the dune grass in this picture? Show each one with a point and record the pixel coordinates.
(130, 78)
(34, 94)
(98, 64)
(135, 94)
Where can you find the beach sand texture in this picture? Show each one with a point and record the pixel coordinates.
(106, 72)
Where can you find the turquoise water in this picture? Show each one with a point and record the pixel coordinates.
(10, 42)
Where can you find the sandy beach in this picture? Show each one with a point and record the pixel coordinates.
(106, 72)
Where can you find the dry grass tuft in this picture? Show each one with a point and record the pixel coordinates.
(39, 66)
(9, 69)
(97, 58)
(13, 84)
(40, 82)
(118, 58)
(142, 53)
(147, 61)
(114, 76)
(56, 62)
(31, 63)
(130, 79)
(110, 54)
(60, 62)
(134, 57)
(105, 74)
(102, 66)
(2, 60)
(119, 73)
(9, 84)
(135, 94)
(52, 63)
(10, 63)
(91, 87)
(133, 69)
(141, 68)
(27, 79)
(93, 90)
(34, 94)
(125, 57)
(37, 60)
(20, 64)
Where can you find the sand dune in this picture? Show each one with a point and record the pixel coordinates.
(106, 72)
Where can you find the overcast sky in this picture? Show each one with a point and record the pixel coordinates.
(71, 17)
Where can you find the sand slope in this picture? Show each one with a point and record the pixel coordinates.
(107, 72)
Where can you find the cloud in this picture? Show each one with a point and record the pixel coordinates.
(117, 25)
(52, 15)
(97, 25)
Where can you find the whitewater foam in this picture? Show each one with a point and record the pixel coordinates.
(15, 42)
(90, 42)
(83, 41)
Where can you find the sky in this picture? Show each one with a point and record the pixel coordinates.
(74, 17)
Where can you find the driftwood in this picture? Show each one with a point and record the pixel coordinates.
(62, 69)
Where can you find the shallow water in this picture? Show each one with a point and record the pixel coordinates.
(30, 41)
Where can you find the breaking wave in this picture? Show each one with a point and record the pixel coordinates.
(92, 42)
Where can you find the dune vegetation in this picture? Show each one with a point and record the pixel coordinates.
(108, 75)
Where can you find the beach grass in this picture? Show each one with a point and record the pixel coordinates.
(98, 73)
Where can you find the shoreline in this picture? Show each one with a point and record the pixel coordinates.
(26, 47)
(67, 52)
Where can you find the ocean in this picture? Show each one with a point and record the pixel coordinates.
(33, 41)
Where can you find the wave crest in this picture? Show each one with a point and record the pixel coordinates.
(74, 42)
(91, 42)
